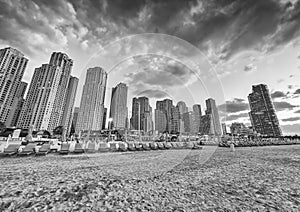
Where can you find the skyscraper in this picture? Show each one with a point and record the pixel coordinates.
(237, 128)
(187, 119)
(166, 106)
(262, 115)
(104, 118)
(118, 106)
(175, 120)
(160, 121)
(75, 117)
(207, 125)
(141, 118)
(212, 109)
(17, 105)
(210, 122)
(197, 116)
(47, 94)
(12, 67)
(62, 61)
(69, 104)
(224, 128)
(182, 107)
(92, 100)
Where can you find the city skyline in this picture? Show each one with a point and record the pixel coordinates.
(54, 105)
(49, 102)
(245, 42)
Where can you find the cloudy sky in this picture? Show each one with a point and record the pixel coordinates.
(180, 49)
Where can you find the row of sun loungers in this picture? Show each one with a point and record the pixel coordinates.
(30, 149)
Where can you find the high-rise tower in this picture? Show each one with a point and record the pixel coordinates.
(210, 122)
(92, 100)
(12, 67)
(197, 116)
(166, 107)
(17, 105)
(263, 116)
(118, 106)
(44, 105)
(69, 104)
(141, 118)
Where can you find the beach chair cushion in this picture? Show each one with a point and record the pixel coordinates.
(138, 146)
(131, 147)
(103, 147)
(78, 148)
(180, 145)
(113, 147)
(174, 145)
(167, 145)
(11, 149)
(65, 148)
(188, 145)
(45, 148)
(91, 148)
(29, 149)
(153, 146)
(161, 145)
(122, 146)
(145, 146)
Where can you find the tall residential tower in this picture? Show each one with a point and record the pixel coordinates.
(141, 118)
(262, 115)
(92, 100)
(46, 99)
(69, 104)
(118, 106)
(12, 67)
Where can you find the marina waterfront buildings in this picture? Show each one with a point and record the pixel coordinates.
(69, 104)
(91, 110)
(210, 122)
(141, 118)
(197, 117)
(45, 103)
(262, 113)
(160, 121)
(75, 117)
(12, 66)
(165, 106)
(118, 106)
(51, 95)
(17, 104)
(224, 128)
(212, 110)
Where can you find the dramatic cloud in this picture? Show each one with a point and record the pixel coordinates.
(291, 119)
(223, 28)
(280, 80)
(278, 94)
(234, 117)
(279, 106)
(250, 68)
(156, 73)
(291, 129)
(298, 111)
(158, 94)
(239, 100)
(297, 91)
(233, 106)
